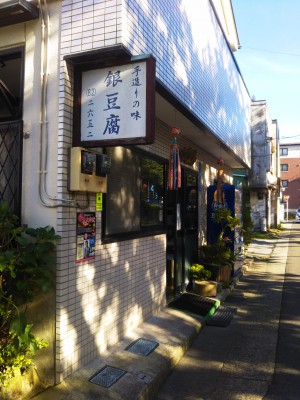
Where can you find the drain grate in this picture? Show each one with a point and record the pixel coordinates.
(195, 304)
(107, 376)
(222, 316)
(142, 346)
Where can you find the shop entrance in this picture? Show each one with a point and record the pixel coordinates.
(182, 232)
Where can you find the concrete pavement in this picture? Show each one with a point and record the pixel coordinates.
(237, 362)
(220, 353)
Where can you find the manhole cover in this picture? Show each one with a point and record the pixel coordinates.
(142, 346)
(222, 317)
(107, 376)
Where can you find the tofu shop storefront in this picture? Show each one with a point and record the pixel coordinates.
(122, 150)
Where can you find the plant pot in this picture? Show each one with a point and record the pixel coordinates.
(219, 273)
(205, 288)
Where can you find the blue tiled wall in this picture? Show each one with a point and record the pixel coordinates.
(195, 63)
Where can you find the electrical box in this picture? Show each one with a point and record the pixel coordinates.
(103, 164)
(88, 170)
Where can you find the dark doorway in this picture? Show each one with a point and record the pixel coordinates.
(182, 232)
(190, 221)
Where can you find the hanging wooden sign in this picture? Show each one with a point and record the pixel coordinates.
(115, 104)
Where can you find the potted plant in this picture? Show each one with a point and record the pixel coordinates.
(218, 257)
(199, 279)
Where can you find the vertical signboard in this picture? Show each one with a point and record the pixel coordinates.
(99, 202)
(228, 201)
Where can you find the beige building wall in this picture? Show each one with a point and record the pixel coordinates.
(40, 124)
(39, 170)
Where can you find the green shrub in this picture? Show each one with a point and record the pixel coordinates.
(199, 272)
(217, 253)
(27, 260)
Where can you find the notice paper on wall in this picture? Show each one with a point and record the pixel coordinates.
(85, 236)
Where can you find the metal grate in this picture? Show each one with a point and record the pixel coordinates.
(11, 164)
(142, 346)
(222, 317)
(107, 376)
(195, 304)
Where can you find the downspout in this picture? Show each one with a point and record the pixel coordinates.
(43, 123)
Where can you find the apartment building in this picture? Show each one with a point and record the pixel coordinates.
(264, 180)
(290, 175)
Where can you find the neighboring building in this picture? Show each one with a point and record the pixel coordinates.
(264, 180)
(142, 239)
(290, 175)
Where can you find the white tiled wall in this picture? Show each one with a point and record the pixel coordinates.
(194, 62)
(98, 301)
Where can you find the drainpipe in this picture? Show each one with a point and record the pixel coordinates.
(43, 128)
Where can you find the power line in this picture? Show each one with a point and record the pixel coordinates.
(290, 137)
(271, 51)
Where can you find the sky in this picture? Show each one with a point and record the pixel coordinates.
(269, 58)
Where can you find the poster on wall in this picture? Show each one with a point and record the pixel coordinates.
(85, 236)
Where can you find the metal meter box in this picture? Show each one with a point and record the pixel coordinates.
(103, 164)
(84, 175)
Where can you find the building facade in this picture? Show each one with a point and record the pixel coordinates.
(141, 236)
(264, 180)
(290, 176)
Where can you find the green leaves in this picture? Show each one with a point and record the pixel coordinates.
(18, 324)
(199, 272)
(27, 262)
(27, 259)
(18, 348)
(225, 220)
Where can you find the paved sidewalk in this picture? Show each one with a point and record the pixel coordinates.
(237, 362)
(175, 331)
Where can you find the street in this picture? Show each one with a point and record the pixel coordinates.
(258, 355)
(286, 379)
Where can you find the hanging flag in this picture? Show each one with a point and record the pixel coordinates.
(220, 174)
(174, 177)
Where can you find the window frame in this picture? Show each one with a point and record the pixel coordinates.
(281, 151)
(143, 231)
(287, 183)
(282, 167)
(11, 55)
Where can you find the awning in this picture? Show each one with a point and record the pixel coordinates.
(17, 11)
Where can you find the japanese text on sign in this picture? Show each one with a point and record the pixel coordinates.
(114, 102)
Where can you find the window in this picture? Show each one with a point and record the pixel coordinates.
(285, 183)
(11, 127)
(135, 193)
(284, 167)
(11, 88)
(283, 151)
(152, 192)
